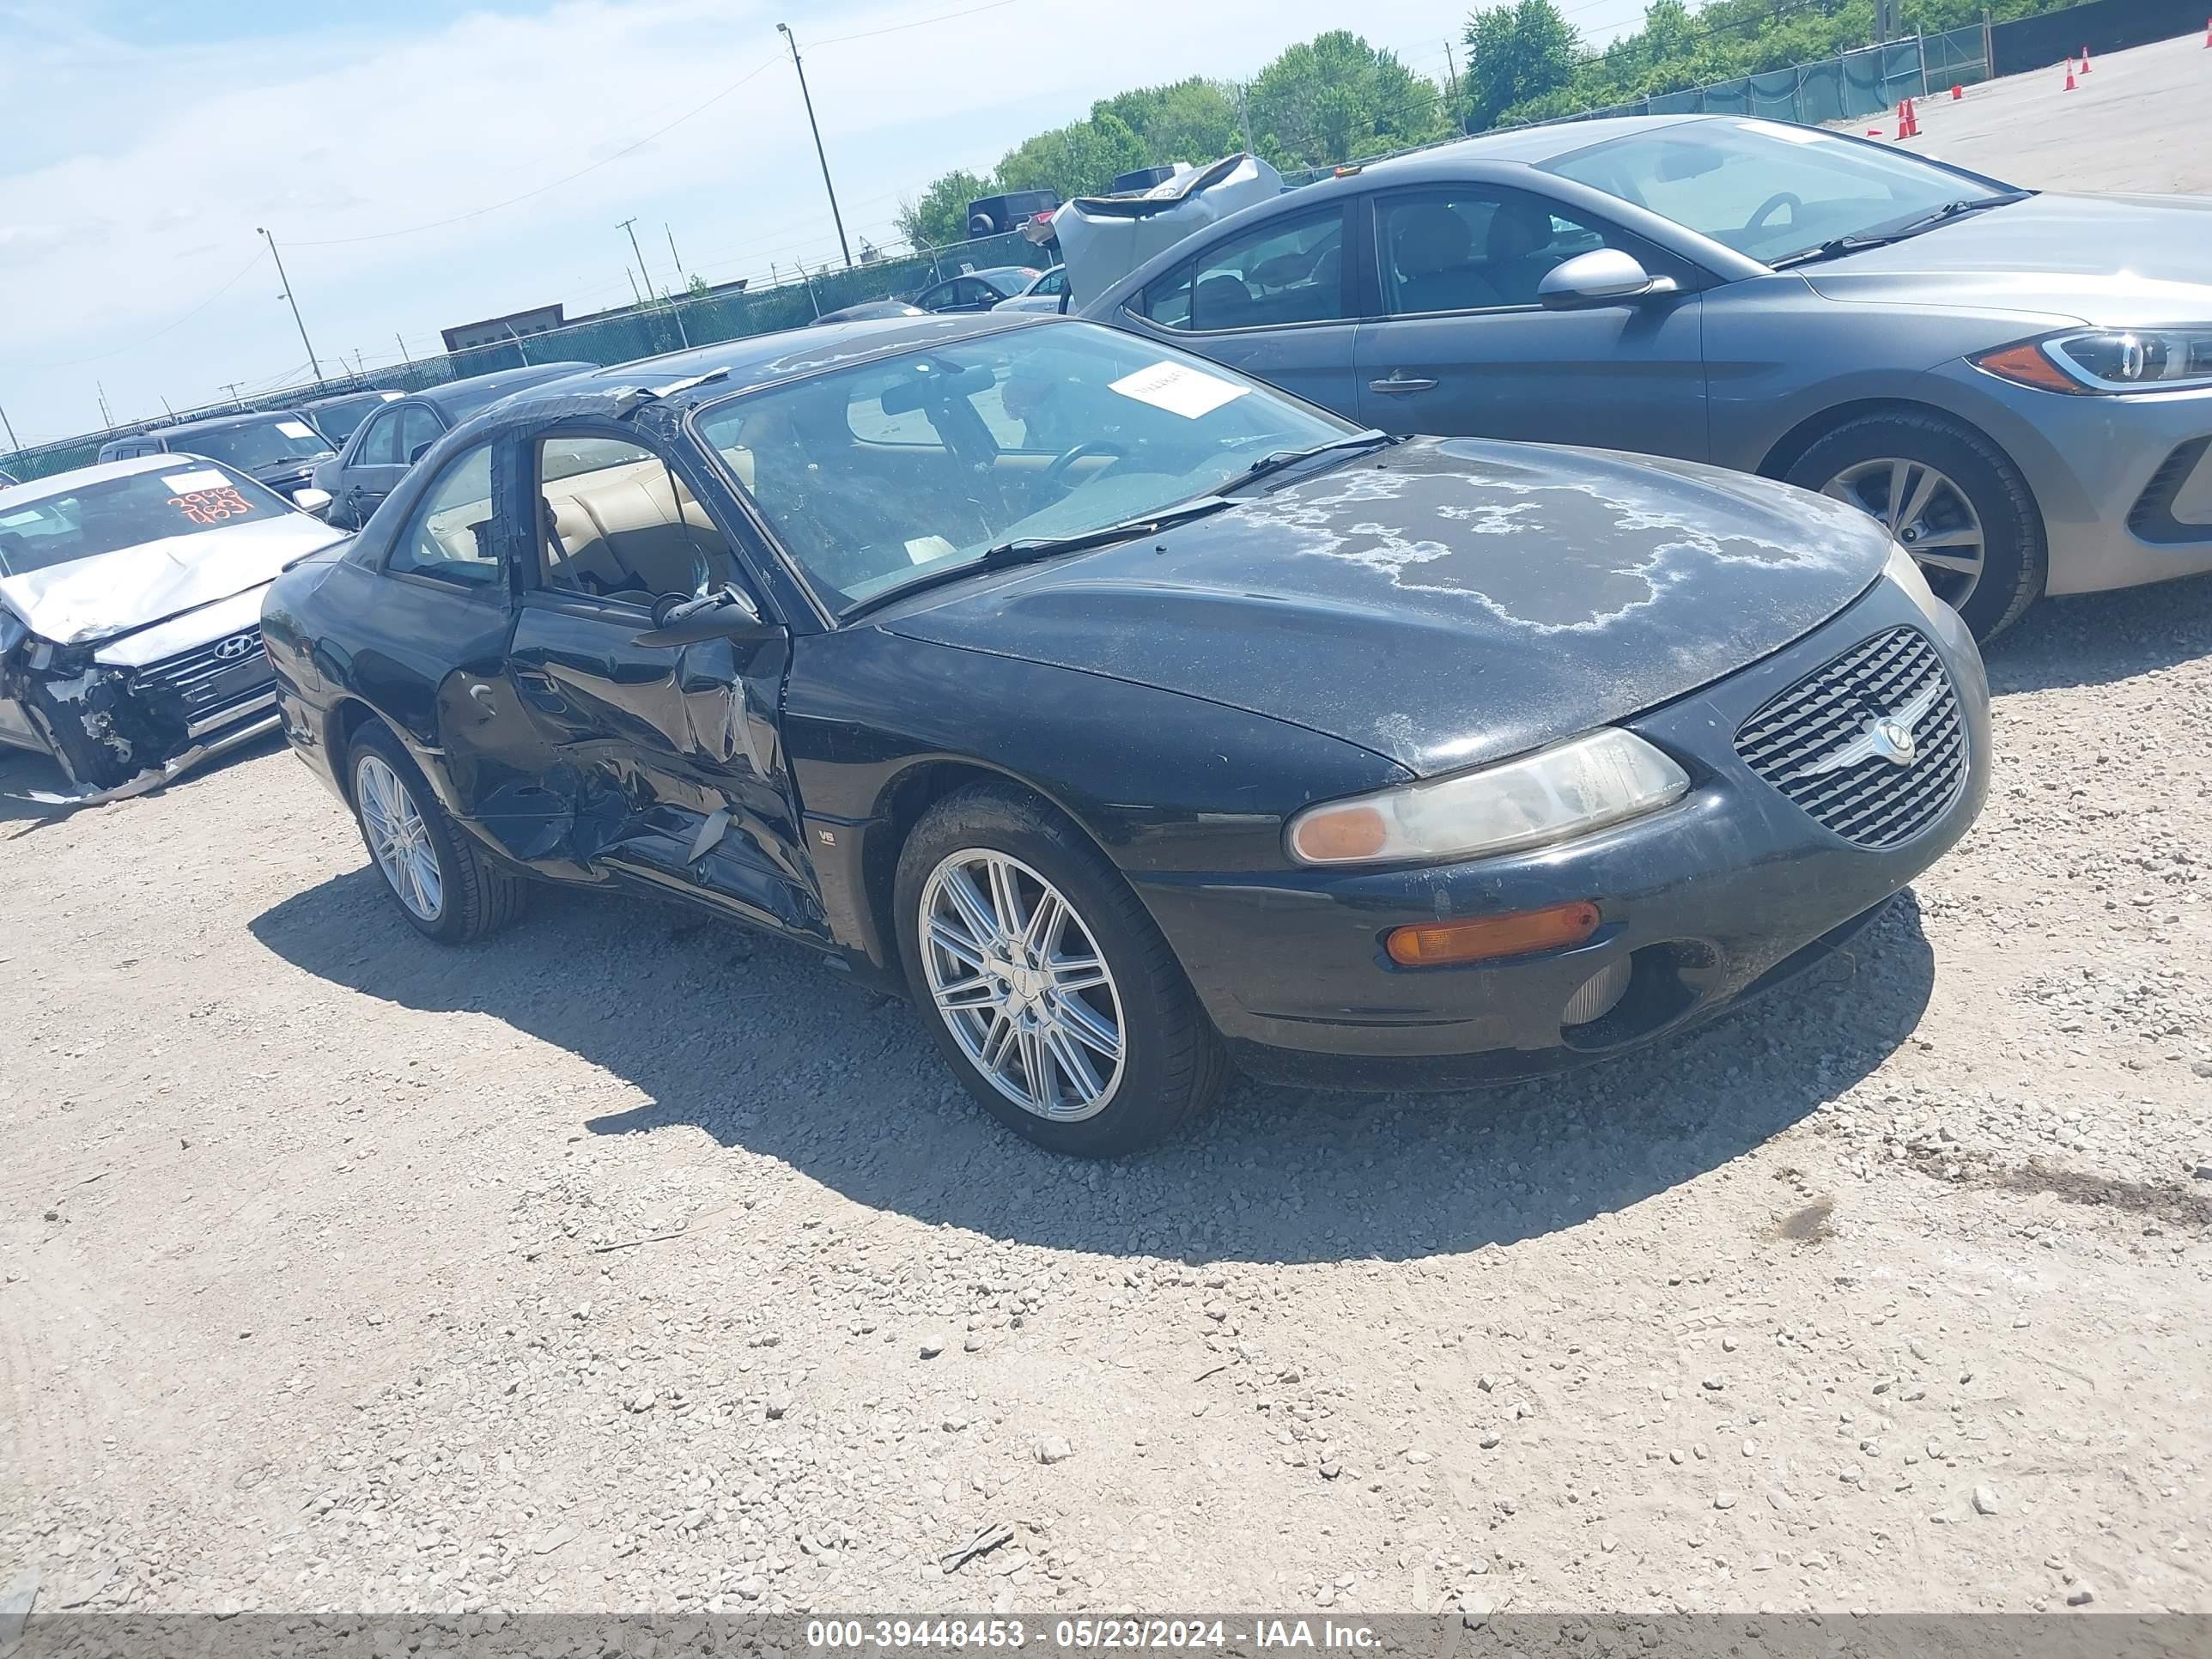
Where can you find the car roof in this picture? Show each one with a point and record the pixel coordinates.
(60, 484)
(763, 359)
(1530, 146)
(218, 422)
(482, 388)
(387, 392)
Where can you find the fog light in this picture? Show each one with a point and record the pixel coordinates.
(1485, 938)
(1600, 993)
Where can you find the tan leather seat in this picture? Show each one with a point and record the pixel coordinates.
(631, 529)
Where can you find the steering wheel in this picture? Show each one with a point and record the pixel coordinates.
(1781, 199)
(1068, 457)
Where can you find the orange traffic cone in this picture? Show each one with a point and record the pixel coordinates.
(1957, 92)
(1903, 121)
(1873, 132)
(2085, 60)
(2069, 75)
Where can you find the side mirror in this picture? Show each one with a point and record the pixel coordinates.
(1606, 277)
(419, 452)
(311, 499)
(724, 614)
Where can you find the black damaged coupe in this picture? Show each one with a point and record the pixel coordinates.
(1133, 718)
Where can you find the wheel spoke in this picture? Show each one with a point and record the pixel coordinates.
(1900, 471)
(954, 943)
(1074, 1063)
(1034, 1067)
(1073, 973)
(1005, 900)
(1967, 537)
(960, 888)
(1917, 508)
(996, 1042)
(1965, 564)
(1046, 922)
(977, 991)
(1093, 1028)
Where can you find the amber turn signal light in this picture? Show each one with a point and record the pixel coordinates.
(2026, 364)
(1485, 938)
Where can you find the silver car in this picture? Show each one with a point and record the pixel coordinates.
(1046, 291)
(2019, 385)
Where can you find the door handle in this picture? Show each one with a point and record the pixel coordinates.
(1398, 383)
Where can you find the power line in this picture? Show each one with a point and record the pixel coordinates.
(101, 356)
(919, 22)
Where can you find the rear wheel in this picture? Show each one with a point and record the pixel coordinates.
(1951, 498)
(1048, 989)
(447, 888)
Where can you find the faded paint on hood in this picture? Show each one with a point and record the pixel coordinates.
(1446, 603)
(2113, 261)
(113, 593)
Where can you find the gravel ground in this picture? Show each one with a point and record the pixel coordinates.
(632, 1261)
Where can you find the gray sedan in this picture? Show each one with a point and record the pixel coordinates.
(2018, 384)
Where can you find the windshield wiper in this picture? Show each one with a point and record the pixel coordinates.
(1864, 239)
(1268, 465)
(1029, 549)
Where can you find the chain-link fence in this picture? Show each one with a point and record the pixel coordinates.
(647, 330)
(1848, 88)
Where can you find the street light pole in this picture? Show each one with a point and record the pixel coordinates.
(791, 40)
(626, 225)
(10, 425)
(294, 303)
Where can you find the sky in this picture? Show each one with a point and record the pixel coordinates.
(423, 165)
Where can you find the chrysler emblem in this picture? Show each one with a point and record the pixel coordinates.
(1893, 741)
(237, 645)
(1891, 736)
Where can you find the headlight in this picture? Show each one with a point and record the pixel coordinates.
(2107, 359)
(1569, 789)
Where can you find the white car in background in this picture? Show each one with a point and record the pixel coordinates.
(130, 616)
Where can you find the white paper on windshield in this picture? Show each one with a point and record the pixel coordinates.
(923, 549)
(185, 483)
(296, 428)
(15, 518)
(1179, 389)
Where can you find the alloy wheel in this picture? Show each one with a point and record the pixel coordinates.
(1926, 512)
(1019, 979)
(400, 838)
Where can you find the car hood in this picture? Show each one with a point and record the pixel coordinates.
(116, 592)
(2107, 260)
(1447, 603)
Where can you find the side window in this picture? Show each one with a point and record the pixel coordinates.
(379, 445)
(1473, 248)
(1291, 269)
(1167, 301)
(449, 536)
(417, 426)
(930, 298)
(1053, 283)
(616, 522)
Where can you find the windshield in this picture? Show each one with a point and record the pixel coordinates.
(1767, 189)
(121, 513)
(256, 445)
(904, 467)
(339, 420)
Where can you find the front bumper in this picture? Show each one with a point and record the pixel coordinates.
(1732, 890)
(2123, 484)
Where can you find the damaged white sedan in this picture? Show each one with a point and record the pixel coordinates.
(130, 616)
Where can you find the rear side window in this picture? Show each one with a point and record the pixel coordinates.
(379, 445)
(1288, 271)
(449, 536)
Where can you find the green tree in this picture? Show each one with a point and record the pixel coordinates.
(1335, 99)
(941, 214)
(1079, 159)
(1516, 52)
(1194, 120)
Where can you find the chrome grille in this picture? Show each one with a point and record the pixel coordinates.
(204, 679)
(1796, 740)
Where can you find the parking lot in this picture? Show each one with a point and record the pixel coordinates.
(631, 1260)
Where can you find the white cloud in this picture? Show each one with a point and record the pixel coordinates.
(161, 159)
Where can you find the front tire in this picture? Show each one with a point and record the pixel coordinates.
(447, 888)
(1046, 985)
(1951, 498)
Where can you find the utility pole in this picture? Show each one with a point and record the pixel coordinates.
(10, 425)
(1451, 66)
(357, 369)
(108, 419)
(791, 40)
(167, 405)
(231, 387)
(294, 303)
(402, 344)
(1244, 116)
(672, 253)
(626, 225)
(636, 299)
